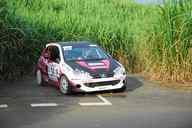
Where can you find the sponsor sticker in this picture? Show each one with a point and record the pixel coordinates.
(95, 64)
(102, 88)
(92, 45)
(53, 71)
(67, 48)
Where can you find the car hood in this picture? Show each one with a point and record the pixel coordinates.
(96, 68)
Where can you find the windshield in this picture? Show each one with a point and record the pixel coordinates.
(83, 53)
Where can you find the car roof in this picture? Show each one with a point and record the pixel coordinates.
(75, 43)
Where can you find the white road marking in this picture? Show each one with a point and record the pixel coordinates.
(104, 103)
(104, 100)
(44, 105)
(3, 105)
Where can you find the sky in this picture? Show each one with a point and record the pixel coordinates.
(149, 1)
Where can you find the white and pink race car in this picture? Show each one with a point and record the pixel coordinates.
(79, 67)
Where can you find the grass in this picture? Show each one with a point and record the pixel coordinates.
(155, 39)
(171, 42)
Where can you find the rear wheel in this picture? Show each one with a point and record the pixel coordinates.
(39, 78)
(64, 85)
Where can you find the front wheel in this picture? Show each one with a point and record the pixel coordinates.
(64, 85)
(123, 89)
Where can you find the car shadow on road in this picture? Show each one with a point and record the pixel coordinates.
(133, 83)
(28, 88)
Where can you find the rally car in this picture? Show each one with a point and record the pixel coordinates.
(79, 67)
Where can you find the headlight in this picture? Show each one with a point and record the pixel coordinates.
(80, 75)
(119, 71)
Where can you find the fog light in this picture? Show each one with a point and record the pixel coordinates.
(78, 86)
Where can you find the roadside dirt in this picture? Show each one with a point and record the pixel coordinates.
(179, 86)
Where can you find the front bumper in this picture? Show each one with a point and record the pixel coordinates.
(101, 84)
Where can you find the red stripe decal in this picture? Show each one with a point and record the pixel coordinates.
(104, 64)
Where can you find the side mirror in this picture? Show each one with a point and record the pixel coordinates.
(57, 60)
(46, 55)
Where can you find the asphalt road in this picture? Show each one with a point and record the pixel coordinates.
(23, 104)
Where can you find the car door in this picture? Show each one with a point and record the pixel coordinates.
(53, 67)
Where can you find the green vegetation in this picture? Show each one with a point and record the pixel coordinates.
(171, 43)
(145, 38)
(11, 40)
(16, 56)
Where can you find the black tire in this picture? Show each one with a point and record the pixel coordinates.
(123, 89)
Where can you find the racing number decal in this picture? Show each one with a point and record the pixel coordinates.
(53, 71)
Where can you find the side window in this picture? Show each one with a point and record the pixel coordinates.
(54, 54)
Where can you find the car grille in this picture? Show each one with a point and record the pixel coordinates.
(105, 83)
(95, 76)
